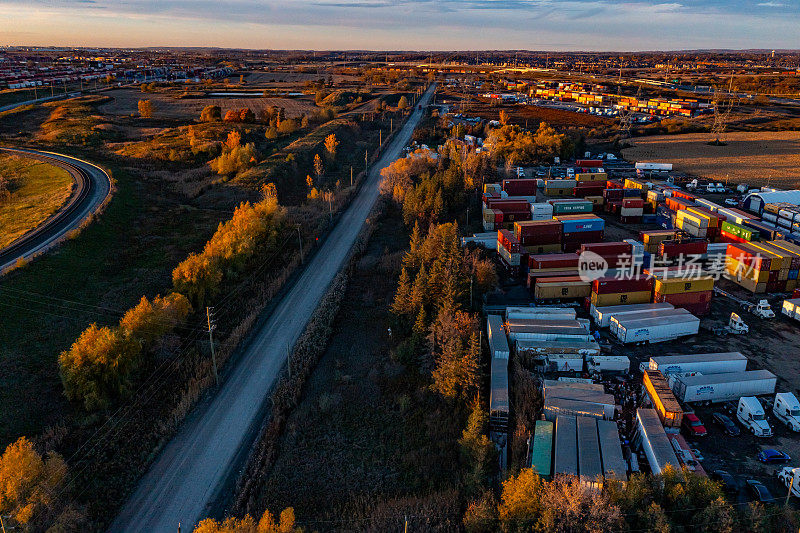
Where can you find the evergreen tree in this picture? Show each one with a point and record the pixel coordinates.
(402, 304)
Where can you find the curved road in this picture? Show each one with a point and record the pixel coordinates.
(190, 474)
(92, 187)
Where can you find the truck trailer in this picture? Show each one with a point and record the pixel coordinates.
(614, 465)
(590, 465)
(703, 363)
(653, 440)
(660, 329)
(565, 453)
(615, 319)
(602, 315)
(712, 388)
(496, 333)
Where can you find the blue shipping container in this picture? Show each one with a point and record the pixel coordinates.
(664, 222)
(578, 225)
(649, 219)
(793, 274)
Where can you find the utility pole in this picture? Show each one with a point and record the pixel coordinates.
(211, 327)
(405, 522)
(351, 175)
(289, 360)
(300, 240)
(380, 137)
(366, 160)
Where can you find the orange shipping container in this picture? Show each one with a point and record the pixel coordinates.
(667, 406)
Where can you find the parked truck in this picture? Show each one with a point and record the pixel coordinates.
(751, 415)
(787, 409)
(790, 477)
(713, 388)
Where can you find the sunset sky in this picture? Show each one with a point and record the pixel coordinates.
(405, 24)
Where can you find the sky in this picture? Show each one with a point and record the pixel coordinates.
(600, 25)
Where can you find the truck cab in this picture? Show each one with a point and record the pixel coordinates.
(751, 415)
(693, 425)
(787, 409)
(790, 477)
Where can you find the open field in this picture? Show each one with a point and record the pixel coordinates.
(35, 191)
(292, 78)
(757, 158)
(125, 102)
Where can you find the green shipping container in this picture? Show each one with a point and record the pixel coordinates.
(542, 449)
(740, 231)
(564, 208)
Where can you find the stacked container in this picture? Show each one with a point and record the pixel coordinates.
(508, 247)
(512, 210)
(578, 229)
(787, 264)
(539, 236)
(571, 207)
(652, 238)
(682, 248)
(794, 269)
(631, 210)
(748, 267)
(692, 293)
(612, 291)
(616, 254)
(561, 288)
(520, 187)
(677, 204)
(550, 266)
(730, 232)
(541, 211)
(559, 187)
(692, 223)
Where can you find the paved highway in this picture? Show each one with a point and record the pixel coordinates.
(190, 473)
(92, 186)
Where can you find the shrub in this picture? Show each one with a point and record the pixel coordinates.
(211, 113)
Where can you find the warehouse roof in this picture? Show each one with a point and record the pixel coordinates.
(769, 197)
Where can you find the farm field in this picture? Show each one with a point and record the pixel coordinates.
(30, 191)
(125, 102)
(756, 158)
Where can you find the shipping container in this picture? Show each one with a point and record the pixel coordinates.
(652, 438)
(615, 319)
(670, 284)
(555, 407)
(704, 363)
(553, 261)
(637, 283)
(563, 207)
(562, 313)
(663, 399)
(712, 388)
(565, 453)
(602, 315)
(520, 187)
(620, 298)
(660, 329)
(614, 466)
(542, 449)
(791, 308)
(566, 288)
(550, 329)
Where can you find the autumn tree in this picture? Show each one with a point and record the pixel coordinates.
(234, 140)
(285, 523)
(331, 144)
(28, 481)
(145, 108)
(211, 113)
(319, 169)
(503, 117)
(402, 103)
(288, 126)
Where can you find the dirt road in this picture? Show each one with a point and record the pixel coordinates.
(191, 471)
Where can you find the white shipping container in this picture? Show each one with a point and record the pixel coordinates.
(602, 315)
(791, 308)
(608, 363)
(631, 211)
(660, 329)
(653, 440)
(724, 387)
(552, 313)
(653, 166)
(704, 363)
(496, 333)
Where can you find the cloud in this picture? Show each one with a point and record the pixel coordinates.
(770, 4)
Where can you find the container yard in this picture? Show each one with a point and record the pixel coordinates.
(674, 266)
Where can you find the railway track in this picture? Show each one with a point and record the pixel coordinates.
(92, 187)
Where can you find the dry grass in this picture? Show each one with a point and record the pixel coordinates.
(37, 191)
(125, 101)
(752, 157)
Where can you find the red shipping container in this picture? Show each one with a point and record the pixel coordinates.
(553, 261)
(508, 241)
(683, 298)
(489, 196)
(504, 204)
(773, 276)
(613, 194)
(520, 187)
(608, 248)
(614, 184)
(685, 195)
(632, 202)
(589, 163)
(688, 247)
(533, 276)
(609, 285)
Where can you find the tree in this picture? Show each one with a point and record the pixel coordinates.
(145, 108)
(402, 103)
(271, 133)
(211, 113)
(28, 481)
(503, 117)
(268, 524)
(520, 503)
(234, 140)
(331, 144)
(318, 168)
(287, 126)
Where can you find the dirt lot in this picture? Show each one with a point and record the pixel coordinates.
(533, 115)
(125, 102)
(756, 158)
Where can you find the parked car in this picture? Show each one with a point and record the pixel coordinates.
(759, 491)
(693, 426)
(727, 424)
(731, 202)
(773, 456)
(729, 483)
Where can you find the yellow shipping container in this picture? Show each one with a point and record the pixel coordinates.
(656, 236)
(750, 285)
(567, 290)
(558, 192)
(742, 271)
(693, 218)
(621, 298)
(596, 200)
(713, 221)
(784, 257)
(681, 285)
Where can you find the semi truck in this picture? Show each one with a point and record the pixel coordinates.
(751, 415)
(663, 167)
(703, 363)
(790, 477)
(786, 409)
(713, 388)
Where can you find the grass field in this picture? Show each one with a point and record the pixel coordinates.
(36, 191)
(125, 102)
(756, 158)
